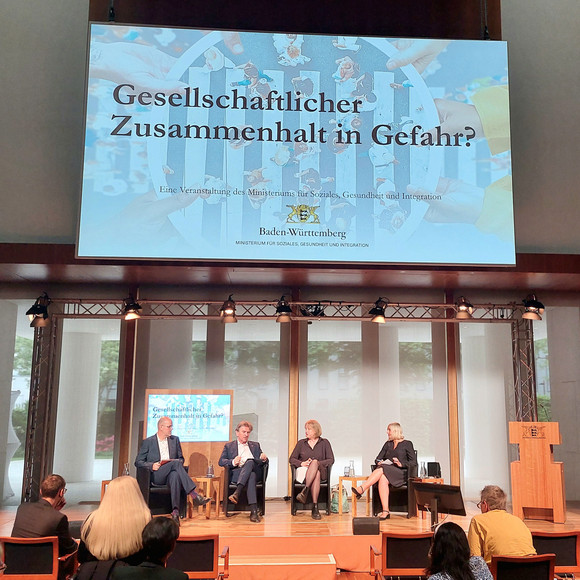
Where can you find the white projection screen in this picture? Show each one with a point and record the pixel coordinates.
(247, 146)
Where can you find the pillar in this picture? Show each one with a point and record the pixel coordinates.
(78, 395)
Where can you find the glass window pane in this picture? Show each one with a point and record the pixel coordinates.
(252, 370)
(486, 387)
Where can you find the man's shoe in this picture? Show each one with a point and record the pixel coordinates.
(302, 497)
(254, 516)
(315, 513)
(198, 500)
(234, 497)
(175, 516)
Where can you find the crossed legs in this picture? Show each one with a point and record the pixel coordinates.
(378, 476)
(312, 480)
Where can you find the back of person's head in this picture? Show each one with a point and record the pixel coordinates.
(114, 529)
(494, 496)
(159, 537)
(51, 485)
(450, 553)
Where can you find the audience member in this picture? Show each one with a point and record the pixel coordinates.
(161, 454)
(494, 532)
(449, 557)
(44, 518)
(113, 531)
(159, 538)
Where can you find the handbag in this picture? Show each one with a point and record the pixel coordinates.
(335, 496)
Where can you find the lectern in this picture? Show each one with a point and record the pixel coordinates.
(537, 480)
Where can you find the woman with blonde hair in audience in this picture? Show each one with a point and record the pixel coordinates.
(113, 531)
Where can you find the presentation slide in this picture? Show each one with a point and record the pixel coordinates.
(246, 146)
(195, 416)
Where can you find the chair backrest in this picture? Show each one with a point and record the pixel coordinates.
(539, 567)
(198, 463)
(405, 554)
(30, 558)
(197, 556)
(566, 546)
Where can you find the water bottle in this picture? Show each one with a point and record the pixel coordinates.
(210, 470)
(126, 469)
(423, 470)
(351, 468)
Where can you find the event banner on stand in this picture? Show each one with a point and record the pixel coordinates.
(247, 146)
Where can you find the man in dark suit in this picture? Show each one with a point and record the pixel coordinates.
(161, 454)
(44, 518)
(246, 460)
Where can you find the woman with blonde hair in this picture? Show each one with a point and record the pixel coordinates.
(397, 454)
(113, 531)
(312, 456)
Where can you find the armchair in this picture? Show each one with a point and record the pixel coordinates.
(242, 505)
(401, 499)
(158, 497)
(323, 498)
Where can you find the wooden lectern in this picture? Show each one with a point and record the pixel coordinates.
(537, 480)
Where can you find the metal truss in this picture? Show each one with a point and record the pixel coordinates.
(43, 387)
(526, 404)
(41, 411)
(319, 310)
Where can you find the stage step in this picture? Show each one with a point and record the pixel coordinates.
(283, 567)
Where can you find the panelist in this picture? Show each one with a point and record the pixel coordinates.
(246, 460)
(161, 454)
(396, 455)
(312, 456)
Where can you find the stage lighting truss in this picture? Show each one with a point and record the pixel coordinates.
(301, 310)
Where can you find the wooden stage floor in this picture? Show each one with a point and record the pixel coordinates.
(280, 533)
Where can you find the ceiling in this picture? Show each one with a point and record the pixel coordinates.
(56, 264)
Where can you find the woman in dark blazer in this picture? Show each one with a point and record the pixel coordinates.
(311, 457)
(397, 454)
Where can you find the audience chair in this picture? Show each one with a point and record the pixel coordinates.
(158, 497)
(401, 555)
(525, 568)
(401, 499)
(197, 556)
(323, 498)
(242, 505)
(566, 546)
(31, 558)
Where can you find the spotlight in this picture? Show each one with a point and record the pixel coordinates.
(533, 308)
(378, 311)
(283, 311)
(131, 308)
(228, 311)
(464, 309)
(38, 312)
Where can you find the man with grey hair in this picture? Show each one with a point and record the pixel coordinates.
(495, 532)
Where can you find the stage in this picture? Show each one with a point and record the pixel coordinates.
(301, 546)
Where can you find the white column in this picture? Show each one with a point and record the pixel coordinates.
(78, 395)
(8, 315)
(563, 346)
